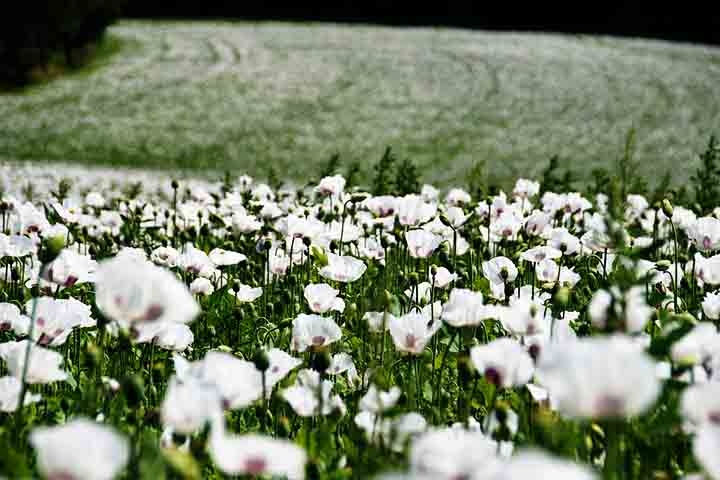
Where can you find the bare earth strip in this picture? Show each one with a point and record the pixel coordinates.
(217, 96)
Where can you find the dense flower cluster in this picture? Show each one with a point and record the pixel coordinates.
(228, 328)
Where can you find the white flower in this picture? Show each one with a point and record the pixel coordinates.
(70, 268)
(421, 243)
(630, 308)
(44, 366)
(378, 321)
(700, 403)
(457, 196)
(450, 454)
(540, 253)
(164, 256)
(342, 268)
(189, 405)
(343, 363)
(12, 319)
(531, 464)
(167, 335)
(705, 233)
(699, 345)
(503, 362)
(223, 258)
(322, 298)
(564, 241)
(130, 291)
(314, 331)
(256, 456)
(201, 286)
(281, 364)
(412, 331)
(464, 308)
(499, 270)
(80, 449)
(331, 185)
(56, 318)
(706, 446)
(711, 305)
(246, 293)
(394, 432)
(419, 293)
(525, 188)
(524, 317)
(10, 394)
(377, 401)
(546, 271)
(413, 210)
(442, 277)
(237, 381)
(599, 377)
(304, 396)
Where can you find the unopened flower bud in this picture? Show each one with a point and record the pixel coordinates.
(667, 208)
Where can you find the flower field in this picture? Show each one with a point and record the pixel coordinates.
(189, 328)
(231, 95)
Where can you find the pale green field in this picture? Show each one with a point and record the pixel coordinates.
(243, 96)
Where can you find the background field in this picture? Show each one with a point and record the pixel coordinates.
(242, 96)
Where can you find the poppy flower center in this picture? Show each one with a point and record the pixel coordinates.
(255, 466)
(318, 340)
(492, 375)
(707, 243)
(153, 313)
(609, 405)
(410, 341)
(714, 417)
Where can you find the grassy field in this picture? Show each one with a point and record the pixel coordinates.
(243, 96)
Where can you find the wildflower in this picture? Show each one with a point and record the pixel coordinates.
(530, 464)
(503, 362)
(412, 331)
(700, 404)
(223, 258)
(304, 396)
(201, 286)
(246, 293)
(80, 449)
(377, 401)
(540, 253)
(322, 298)
(189, 405)
(44, 366)
(599, 377)
(705, 233)
(499, 270)
(256, 455)
(10, 394)
(464, 308)
(378, 321)
(421, 243)
(314, 331)
(441, 277)
(450, 454)
(343, 269)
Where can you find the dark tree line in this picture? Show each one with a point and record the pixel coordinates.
(34, 33)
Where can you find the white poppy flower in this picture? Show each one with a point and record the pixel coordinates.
(442, 277)
(314, 331)
(343, 269)
(599, 377)
(10, 394)
(499, 270)
(44, 366)
(540, 253)
(80, 449)
(246, 293)
(257, 456)
(130, 291)
(412, 331)
(464, 308)
(165, 256)
(378, 321)
(711, 305)
(281, 364)
(531, 464)
(12, 319)
(189, 405)
(322, 298)
(503, 362)
(413, 210)
(698, 346)
(304, 395)
(421, 243)
(449, 454)
(222, 258)
(700, 403)
(705, 233)
(201, 286)
(377, 401)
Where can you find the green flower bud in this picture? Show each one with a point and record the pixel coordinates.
(667, 208)
(261, 360)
